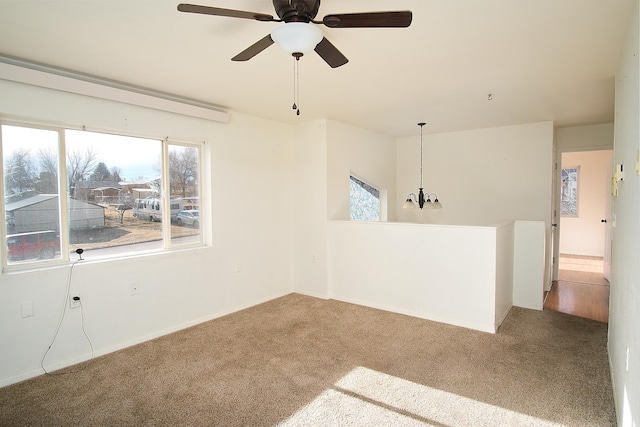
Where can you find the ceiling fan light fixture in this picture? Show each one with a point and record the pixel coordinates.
(297, 37)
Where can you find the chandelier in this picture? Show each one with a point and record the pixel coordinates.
(423, 200)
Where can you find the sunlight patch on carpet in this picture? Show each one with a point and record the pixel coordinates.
(367, 397)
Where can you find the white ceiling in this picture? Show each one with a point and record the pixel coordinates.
(541, 59)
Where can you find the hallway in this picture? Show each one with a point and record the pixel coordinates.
(581, 289)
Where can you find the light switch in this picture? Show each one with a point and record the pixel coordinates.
(619, 173)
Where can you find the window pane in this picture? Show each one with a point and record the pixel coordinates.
(184, 167)
(569, 192)
(114, 187)
(364, 201)
(32, 212)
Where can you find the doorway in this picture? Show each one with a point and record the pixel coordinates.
(581, 287)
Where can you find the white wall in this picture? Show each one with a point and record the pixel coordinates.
(584, 234)
(367, 155)
(529, 264)
(624, 306)
(482, 177)
(325, 153)
(585, 138)
(310, 208)
(247, 207)
(505, 240)
(415, 269)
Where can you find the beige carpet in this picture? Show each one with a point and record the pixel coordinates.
(298, 360)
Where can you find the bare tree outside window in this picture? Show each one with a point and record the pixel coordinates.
(48, 160)
(80, 163)
(569, 192)
(183, 170)
(184, 166)
(115, 173)
(20, 173)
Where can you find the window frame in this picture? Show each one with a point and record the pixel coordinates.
(166, 189)
(63, 195)
(62, 204)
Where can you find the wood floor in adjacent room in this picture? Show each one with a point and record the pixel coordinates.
(581, 289)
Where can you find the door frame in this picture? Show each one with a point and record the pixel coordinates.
(555, 218)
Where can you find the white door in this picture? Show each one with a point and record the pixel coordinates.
(606, 270)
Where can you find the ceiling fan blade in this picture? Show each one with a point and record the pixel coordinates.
(217, 11)
(330, 53)
(254, 49)
(369, 19)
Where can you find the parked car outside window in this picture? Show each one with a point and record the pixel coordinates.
(191, 217)
(37, 244)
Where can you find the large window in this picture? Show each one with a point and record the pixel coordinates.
(103, 194)
(569, 192)
(364, 201)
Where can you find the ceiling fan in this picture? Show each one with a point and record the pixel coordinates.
(296, 36)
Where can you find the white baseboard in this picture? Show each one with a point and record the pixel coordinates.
(157, 334)
(490, 328)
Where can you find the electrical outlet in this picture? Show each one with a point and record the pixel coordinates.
(135, 288)
(74, 301)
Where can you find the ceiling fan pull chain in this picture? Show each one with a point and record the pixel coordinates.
(298, 85)
(294, 106)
